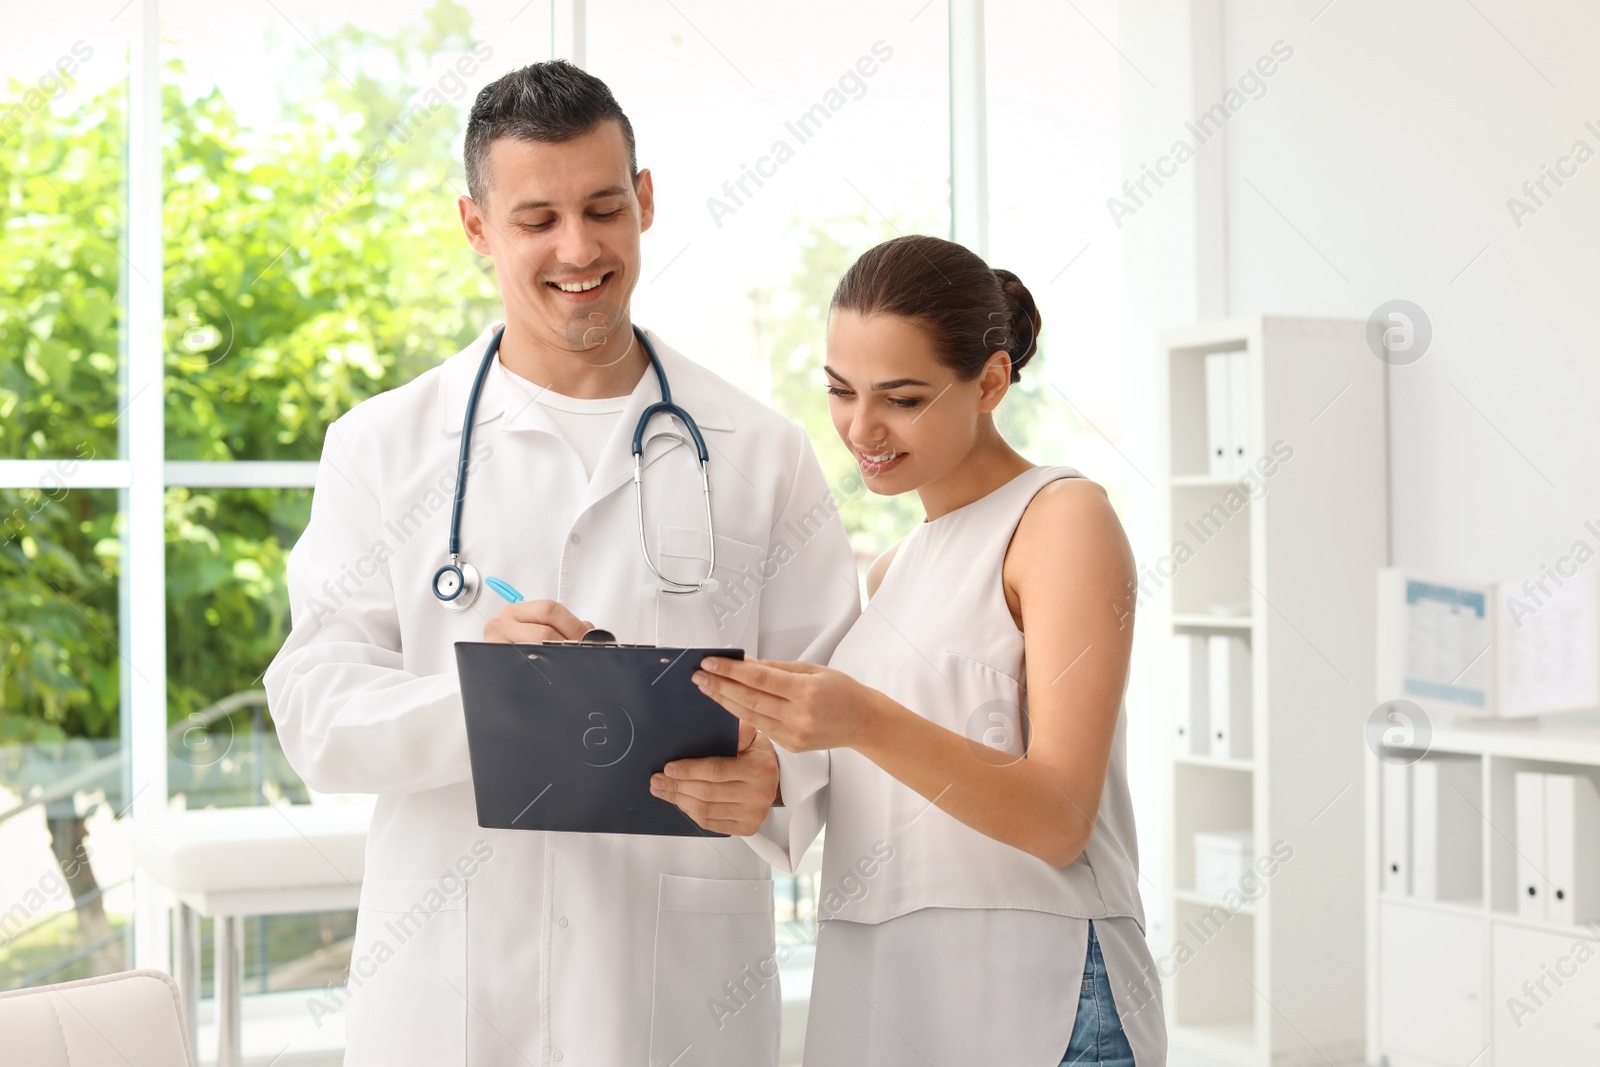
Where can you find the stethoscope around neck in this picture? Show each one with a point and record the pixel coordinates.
(458, 583)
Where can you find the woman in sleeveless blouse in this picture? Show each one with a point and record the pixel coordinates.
(980, 897)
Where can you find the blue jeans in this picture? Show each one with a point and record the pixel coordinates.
(1097, 1037)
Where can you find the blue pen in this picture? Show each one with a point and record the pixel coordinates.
(504, 589)
(511, 596)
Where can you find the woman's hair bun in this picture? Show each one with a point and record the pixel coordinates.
(1023, 339)
(969, 310)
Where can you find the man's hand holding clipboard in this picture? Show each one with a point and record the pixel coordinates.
(726, 794)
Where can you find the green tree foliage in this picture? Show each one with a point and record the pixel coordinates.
(314, 264)
(58, 615)
(60, 268)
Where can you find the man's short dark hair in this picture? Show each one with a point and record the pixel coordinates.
(552, 102)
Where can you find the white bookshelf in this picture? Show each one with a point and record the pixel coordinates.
(1279, 980)
(1441, 975)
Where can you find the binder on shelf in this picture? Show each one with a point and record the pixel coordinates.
(1229, 681)
(1446, 828)
(1191, 694)
(1396, 843)
(1572, 860)
(1530, 845)
(1219, 424)
(1239, 412)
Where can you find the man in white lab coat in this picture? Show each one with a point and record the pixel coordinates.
(523, 947)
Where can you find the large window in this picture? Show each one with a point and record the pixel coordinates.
(285, 173)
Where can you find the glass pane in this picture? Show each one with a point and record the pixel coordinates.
(227, 616)
(284, 952)
(1050, 69)
(314, 252)
(784, 141)
(64, 72)
(65, 899)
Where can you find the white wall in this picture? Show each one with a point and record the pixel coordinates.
(1377, 165)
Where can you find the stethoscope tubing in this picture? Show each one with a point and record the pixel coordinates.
(466, 577)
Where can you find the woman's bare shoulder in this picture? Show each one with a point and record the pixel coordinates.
(1069, 517)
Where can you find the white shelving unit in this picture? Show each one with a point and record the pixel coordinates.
(1445, 979)
(1275, 980)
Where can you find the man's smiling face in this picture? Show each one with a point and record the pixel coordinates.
(562, 223)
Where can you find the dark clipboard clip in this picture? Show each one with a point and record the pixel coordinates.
(597, 636)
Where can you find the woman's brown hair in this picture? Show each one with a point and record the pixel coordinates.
(969, 310)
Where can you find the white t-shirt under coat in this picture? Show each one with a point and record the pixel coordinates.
(586, 425)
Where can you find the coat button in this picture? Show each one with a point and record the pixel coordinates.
(575, 539)
(556, 1055)
(562, 922)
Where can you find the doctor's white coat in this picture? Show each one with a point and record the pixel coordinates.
(523, 947)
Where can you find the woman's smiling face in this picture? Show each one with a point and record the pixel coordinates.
(905, 415)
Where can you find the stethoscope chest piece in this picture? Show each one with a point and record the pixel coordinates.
(457, 585)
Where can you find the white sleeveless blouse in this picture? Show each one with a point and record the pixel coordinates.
(937, 940)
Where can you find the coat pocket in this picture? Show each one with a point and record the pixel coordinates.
(716, 996)
(717, 617)
(408, 975)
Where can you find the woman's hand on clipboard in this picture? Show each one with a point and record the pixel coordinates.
(533, 622)
(802, 706)
(726, 794)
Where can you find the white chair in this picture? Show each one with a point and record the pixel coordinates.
(132, 1019)
(228, 863)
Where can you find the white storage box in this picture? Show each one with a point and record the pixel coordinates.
(1220, 861)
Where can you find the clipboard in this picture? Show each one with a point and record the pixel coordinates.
(564, 736)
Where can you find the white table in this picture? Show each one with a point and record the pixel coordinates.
(227, 863)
